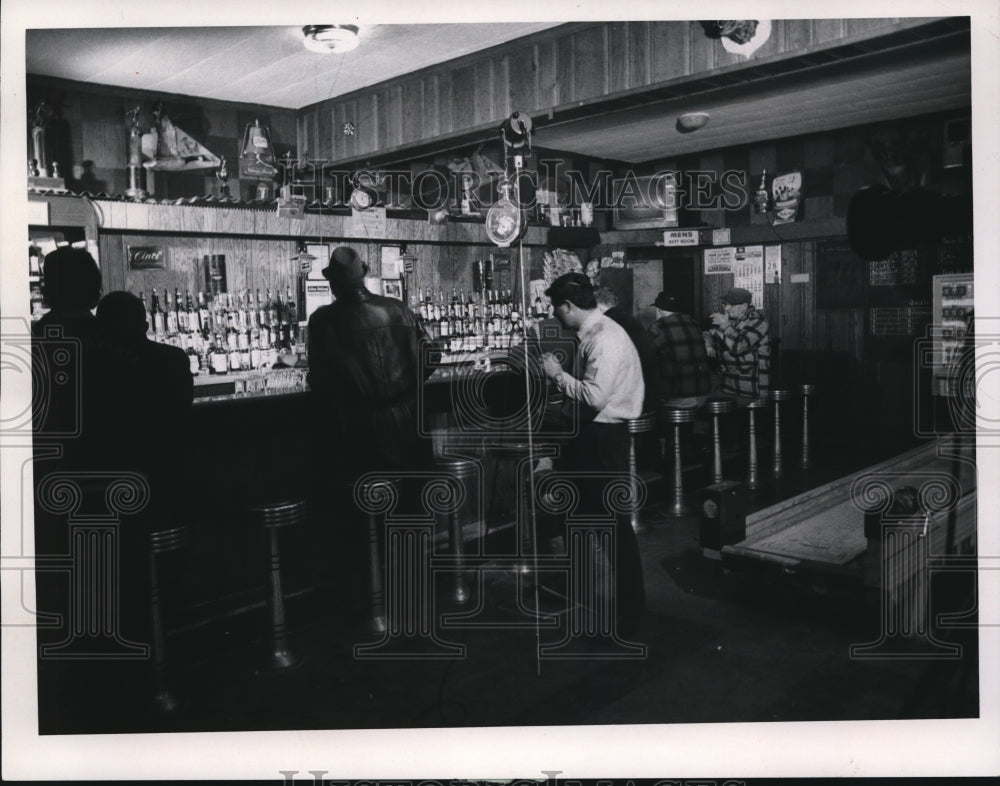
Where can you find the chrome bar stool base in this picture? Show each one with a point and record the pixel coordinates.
(274, 517)
(753, 476)
(807, 391)
(716, 408)
(643, 424)
(676, 417)
(777, 396)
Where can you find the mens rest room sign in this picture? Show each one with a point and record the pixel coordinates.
(147, 257)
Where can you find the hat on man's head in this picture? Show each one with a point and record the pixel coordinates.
(666, 302)
(736, 296)
(345, 267)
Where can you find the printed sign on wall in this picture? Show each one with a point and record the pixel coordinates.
(147, 257)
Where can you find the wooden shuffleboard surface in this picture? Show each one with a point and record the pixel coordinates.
(824, 528)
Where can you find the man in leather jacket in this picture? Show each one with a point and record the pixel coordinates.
(365, 368)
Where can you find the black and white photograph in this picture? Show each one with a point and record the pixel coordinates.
(518, 392)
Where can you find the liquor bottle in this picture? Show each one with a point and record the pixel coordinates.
(145, 312)
(261, 311)
(170, 316)
(255, 354)
(539, 307)
(293, 312)
(158, 323)
(194, 362)
(444, 326)
(272, 316)
(204, 321)
(219, 357)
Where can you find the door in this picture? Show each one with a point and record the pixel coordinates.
(681, 279)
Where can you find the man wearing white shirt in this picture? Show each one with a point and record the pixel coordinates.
(610, 391)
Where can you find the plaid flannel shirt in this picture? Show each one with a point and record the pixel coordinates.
(744, 351)
(680, 348)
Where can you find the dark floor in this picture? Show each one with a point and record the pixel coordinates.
(721, 642)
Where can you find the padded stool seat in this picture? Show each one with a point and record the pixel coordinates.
(273, 517)
(715, 408)
(677, 417)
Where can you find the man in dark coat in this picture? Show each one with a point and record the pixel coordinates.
(684, 373)
(607, 304)
(365, 369)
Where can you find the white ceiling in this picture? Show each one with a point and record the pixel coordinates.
(269, 66)
(254, 65)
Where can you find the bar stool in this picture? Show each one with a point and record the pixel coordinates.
(806, 391)
(676, 417)
(643, 424)
(715, 408)
(161, 542)
(753, 481)
(778, 395)
(460, 471)
(273, 517)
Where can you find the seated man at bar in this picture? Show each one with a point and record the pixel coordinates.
(150, 390)
(684, 376)
(740, 340)
(607, 304)
(610, 392)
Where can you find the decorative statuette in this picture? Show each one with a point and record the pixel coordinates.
(223, 176)
(135, 189)
(38, 168)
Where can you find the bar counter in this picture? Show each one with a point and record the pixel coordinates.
(255, 437)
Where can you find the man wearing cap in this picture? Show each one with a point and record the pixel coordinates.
(684, 377)
(741, 341)
(365, 371)
(610, 391)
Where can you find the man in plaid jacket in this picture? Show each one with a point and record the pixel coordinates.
(741, 341)
(684, 379)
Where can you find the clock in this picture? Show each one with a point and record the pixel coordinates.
(503, 223)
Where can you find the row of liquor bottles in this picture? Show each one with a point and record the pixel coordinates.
(228, 332)
(239, 311)
(490, 320)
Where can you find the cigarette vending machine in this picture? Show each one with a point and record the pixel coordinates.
(951, 311)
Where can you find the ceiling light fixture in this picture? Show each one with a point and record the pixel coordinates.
(692, 121)
(327, 39)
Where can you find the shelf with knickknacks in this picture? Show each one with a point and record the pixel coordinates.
(41, 175)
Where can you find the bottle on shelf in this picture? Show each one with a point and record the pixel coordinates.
(158, 323)
(219, 357)
(170, 316)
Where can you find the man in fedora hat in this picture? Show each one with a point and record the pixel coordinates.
(740, 339)
(365, 371)
(684, 379)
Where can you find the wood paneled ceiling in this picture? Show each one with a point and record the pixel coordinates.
(927, 71)
(869, 88)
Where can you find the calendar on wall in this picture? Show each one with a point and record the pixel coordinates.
(748, 272)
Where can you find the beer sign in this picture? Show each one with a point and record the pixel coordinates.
(147, 257)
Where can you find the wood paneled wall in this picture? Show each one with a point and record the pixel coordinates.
(89, 135)
(570, 65)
